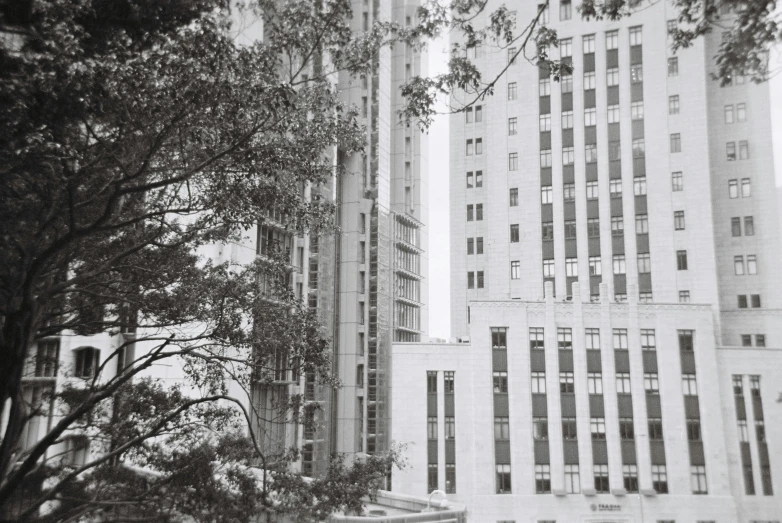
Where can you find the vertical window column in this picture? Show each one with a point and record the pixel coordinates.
(567, 398)
(741, 424)
(692, 410)
(546, 205)
(625, 406)
(654, 411)
(450, 432)
(615, 162)
(431, 431)
(540, 426)
(597, 483)
(760, 436)
(499, 344)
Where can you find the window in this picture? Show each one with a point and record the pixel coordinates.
(565, 47)
(639, 148)
(566, 385)
(514, 270)
(743, 150)
(681, 260)
(568, 156)
(499, 338)
(735, 226)
(548, 230)
(730, 151)
(591, 190)
(612, 76)
(544, 121)
(660, 479)
(512, 91)
(694, 429)
(677, 181)
(569, 430)
(431, 427)
(470, 180)
(479, 245)
(567, 119)
(617, 226)
(503, 479)
(738, 265)
(612, 40)
(645, 297)
(468, 115)
(749, 226)
(470, 246)
(651, 383)
(538, 382)
(595, 268)
(626, 428)
(77, 448)
(572, 479)
(470, 213)
(593, 227)
(733, 189)
(754, 385)
(591, 153)
(684, 296)
(590, 119)
(637, 110)
(619, 264)
(743, 431)
(514, 233)
(623, 383)
(673, 104)
(450, 478)
(752, 264)
(673, 66)
(87, 362)
(511, 55)
(636, 73)
(655, 428)
(595, 383)
(588, 44)
(630, 477)
(478, 114)
(728, 114)
(543, 10)
(470, 150)
(592, 339)
(470, 280)
(741, 112)
(635, 36)
(644, 263)
(479, 278)
(746, 188)
(540, 428)
(542, 477)
(45, 363)
(565, 10)
(642, 224)
(478, 212)
(544, 86)
(479, 146)
(689, 385)
(512, 126)
(500, 382)
(639, 185)
(548, 268)
(597, 427)
(501, 428)
(615, 188)
(514, 197)
(742, 301)
(570, 229)
(676, 143)
(738, 386)
(589, 82)
(698, 479)
(569, 192)
(564, 338)
(601, 478)
(545, 158)
(613, 114)
(760, 430)
(678, 220)
(566, 83)
(746, 340)
(760, 340)
(755, 301)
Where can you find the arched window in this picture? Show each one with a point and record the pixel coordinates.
(87, 362)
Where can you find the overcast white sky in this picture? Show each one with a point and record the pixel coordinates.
(439, 241)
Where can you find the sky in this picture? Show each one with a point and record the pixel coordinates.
(439, 240)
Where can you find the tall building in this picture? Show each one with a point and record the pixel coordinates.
(602, 177)
(613, 237)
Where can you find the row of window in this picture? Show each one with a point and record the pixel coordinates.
(601, 483)
(592, 339)
(595, 383)
(754, 301)
(590, 152)
(619, 265)
(617, 226)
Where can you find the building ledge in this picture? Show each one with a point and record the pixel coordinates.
(408, 301)
(408, 246)
(409, 274)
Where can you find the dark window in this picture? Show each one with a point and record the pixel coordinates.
(742, 301)
(450, 478)
(87, 362)
(499, 337)
(540, 428)
(480, 279)
(479, 245)
(694, 429)
(626, 429)
(681, 260)
(431, 382)
(432, 477)
(478, 212)
(500, 382)
(536, 338)
(542, 479)
(514, 233)
(501, 428)
(686, 343)
(735, 226)
(548, 230)
(503, 479)
(593, 228)
(755, 301)
(601, 478)
(514, 197)
(570, 229)
(449, 382)
(749, 226)
(569, 428)
(655, 428)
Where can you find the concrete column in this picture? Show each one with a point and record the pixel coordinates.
(585, 468)
(556, 453)
(613, 445)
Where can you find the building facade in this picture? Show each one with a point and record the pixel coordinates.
(601, 177)
(578, 411)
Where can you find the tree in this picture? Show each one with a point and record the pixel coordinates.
(137, 134)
